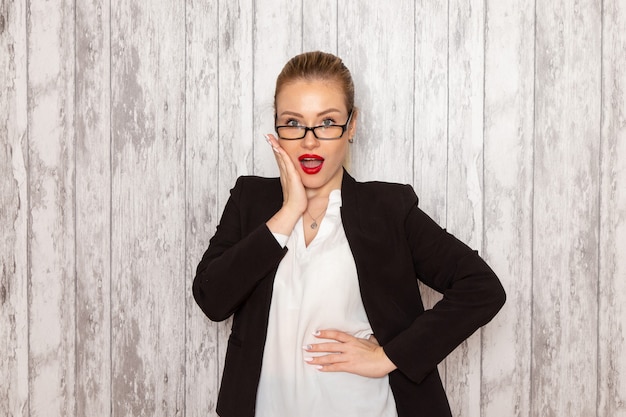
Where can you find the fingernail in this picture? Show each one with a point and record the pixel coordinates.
(308, 359)
(319, 367)
(306, 347)
(267, 138)
(275, 149)
(317, 333)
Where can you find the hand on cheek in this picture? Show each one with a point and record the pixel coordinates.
(294, 195)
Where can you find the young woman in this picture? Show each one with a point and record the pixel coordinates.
(320, 272)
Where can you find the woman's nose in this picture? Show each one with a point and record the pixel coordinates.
(310, 141)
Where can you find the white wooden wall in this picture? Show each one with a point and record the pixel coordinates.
(124, 124)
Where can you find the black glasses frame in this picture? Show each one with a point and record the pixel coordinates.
(305, 129)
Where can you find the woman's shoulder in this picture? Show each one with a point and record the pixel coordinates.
(257, 181)
(390, 192)
(378, 198)
(256, 187)
(383, 186)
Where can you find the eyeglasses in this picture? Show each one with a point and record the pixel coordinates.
(322, 132)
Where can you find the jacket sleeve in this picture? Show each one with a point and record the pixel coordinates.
(235, 261)
(472, 295)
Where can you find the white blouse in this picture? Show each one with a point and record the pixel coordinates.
(316, 287)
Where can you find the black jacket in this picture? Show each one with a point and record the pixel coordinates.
(394, 243)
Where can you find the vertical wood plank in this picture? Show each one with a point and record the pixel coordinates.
(277, 37)
(319, 25)
(612, 286)
(508, 158)
(465, 177)
(148, 198)
(373, 41)
(52, 218)
(236, 141)
(565, 211)
(13, 211)
(236, 94)
(431, 107)
(202, 184)
(430, 140)
(93, 209)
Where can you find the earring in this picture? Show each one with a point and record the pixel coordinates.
(351, 140)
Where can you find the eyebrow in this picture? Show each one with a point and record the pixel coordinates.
(292, 113)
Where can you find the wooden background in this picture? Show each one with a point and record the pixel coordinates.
(124, 125)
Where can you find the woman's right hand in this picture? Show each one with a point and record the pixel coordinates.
(294, 195)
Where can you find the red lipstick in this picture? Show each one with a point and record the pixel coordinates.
(311, 163)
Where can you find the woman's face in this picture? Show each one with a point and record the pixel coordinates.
(315, 103)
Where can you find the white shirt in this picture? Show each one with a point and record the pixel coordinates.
(316, 287)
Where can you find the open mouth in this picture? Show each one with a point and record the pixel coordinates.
(311, 164)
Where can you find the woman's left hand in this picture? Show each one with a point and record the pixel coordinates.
(351, 354)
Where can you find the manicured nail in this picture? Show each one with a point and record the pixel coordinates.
(308, 359)
(267, 138)
(317, 333)
(306, 347)
(275, 149)
(319, 367)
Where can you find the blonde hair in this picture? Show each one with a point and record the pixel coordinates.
(317, 65)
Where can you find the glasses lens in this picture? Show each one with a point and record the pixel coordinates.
(329, 132)
(290, 132)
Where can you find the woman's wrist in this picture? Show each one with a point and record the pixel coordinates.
(387, 364)
(283, 221)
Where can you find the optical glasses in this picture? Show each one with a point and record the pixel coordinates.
(321, 132)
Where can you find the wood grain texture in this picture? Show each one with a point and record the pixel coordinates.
(508, 187)
(93, 209)
(319, 25)
(430, 138)
(13, 211)
(236, 95)
(148, 197)
(464, 214)
(373, 42)
(612, 286)
(202, 178)
(565, 209)
(123, 126)
(51, 207)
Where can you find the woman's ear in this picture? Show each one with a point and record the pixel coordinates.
(352, 127)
